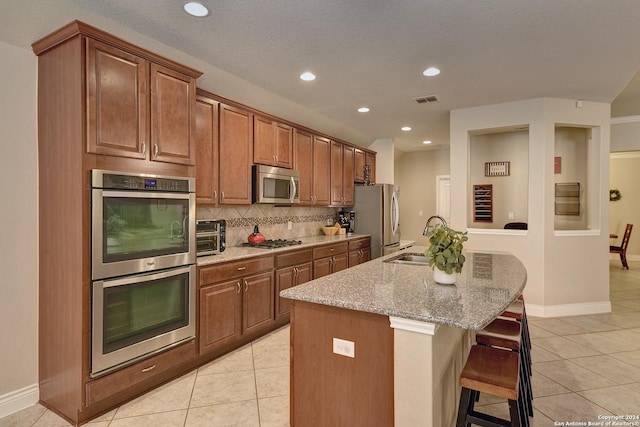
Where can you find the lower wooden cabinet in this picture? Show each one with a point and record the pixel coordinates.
(231, 307)
(330, 259)
(287, 278)
(359, 251)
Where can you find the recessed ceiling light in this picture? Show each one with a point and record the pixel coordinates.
(406, 128)
(196, 9)
(363, 110)
(307, 76)
(426, 141)
(431, 71)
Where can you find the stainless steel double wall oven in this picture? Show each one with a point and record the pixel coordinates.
(143, 266)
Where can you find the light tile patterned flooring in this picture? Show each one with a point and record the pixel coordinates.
(584, 367)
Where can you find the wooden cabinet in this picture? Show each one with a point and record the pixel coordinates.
(342, 174)
(206, 151)
(370, 160)
(236, 155)
(359, 163)
(236, 298)
(272, 143)
(359, 251)
(330, 259)
(137, 108)
(292, 269)
(312, 158)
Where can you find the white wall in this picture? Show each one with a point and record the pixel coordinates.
(18, 241)
(415, 174)
(385, 154)
(625, 177)
(567, 273)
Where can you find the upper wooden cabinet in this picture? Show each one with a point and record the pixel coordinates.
(206, 151)
(358, 172)
(236, 155)
(342, 174)
(370, 160)
(272, 143)
(311, 157)
(138, 109)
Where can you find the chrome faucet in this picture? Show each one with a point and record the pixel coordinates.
(171, 230)
(428, 225)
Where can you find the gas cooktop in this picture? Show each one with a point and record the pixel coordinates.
(272, 244)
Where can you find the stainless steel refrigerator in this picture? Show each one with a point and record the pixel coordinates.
(377, 211)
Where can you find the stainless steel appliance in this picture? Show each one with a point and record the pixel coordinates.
(141, 223)
(136, 316)
(275, 185)
(143, 266)
(211, 236)
(378, 210)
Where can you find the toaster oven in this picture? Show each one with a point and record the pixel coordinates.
(210, 236)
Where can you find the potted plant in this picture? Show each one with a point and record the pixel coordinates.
(115, 225)
(445, 253)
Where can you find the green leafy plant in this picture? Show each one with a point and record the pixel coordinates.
(445, 250)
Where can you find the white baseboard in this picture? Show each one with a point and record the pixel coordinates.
(19, 399)
(568, 309)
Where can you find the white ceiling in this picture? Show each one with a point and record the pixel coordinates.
(373, 52)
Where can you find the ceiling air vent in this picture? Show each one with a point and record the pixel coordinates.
(426, 99)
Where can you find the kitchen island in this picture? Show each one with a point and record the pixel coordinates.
(383, 344)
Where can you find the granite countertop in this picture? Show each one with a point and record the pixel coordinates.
(489, 282)
(232, 253)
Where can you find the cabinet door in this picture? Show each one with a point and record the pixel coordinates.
(321, 171)
(348, 186)
(366, 255)
(285, 279)
(303, 163)
(336, 174)
(370, 160)
(117, 89)
(284, 146)
(173, 116)
(340, 262)
(220, 314)
(321, 267)
(359, 162)
(236, 155)
(206, 151)
(263, 141)
(354, 258)
(257, 302)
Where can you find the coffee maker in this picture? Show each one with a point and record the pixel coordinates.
(352, 222)
(343, 220)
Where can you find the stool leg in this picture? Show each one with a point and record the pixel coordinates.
(463, 409)
(514, 412)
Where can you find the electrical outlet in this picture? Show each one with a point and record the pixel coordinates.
(511, 215)
(344, 347)
(289, 225)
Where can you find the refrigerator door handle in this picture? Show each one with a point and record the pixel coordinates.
(395, 208)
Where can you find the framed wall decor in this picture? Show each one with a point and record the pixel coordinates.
(496, 169)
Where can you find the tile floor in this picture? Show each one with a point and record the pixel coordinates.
(584, 367)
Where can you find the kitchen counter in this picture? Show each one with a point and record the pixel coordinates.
(489, 282)
(232, 253)
(383, 344)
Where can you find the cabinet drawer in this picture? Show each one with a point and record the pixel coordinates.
(328, 250)
(293, 258)
(359, 244)
(125, 379)
(228, 270)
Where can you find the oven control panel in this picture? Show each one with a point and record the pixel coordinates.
(120, 181)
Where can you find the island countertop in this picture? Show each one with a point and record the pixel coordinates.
(489, 282)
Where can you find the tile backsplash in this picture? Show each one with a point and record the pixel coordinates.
(272, 220)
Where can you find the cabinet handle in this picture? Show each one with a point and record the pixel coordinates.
(155, 151)
(144, 148)
(215, 194)
(221, 195)
(238, 287)
(295, 272)
(150, 368)
(246, 286)
(241, 268)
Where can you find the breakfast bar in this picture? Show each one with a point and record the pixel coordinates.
(383, 344)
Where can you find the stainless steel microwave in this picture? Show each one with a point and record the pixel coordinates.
(275, 185)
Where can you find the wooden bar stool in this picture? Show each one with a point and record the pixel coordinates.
(496, 372)
(517, 311)
(507, 334)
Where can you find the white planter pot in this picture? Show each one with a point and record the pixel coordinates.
(443, 277)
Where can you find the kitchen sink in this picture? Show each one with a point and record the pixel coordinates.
(414, 258)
